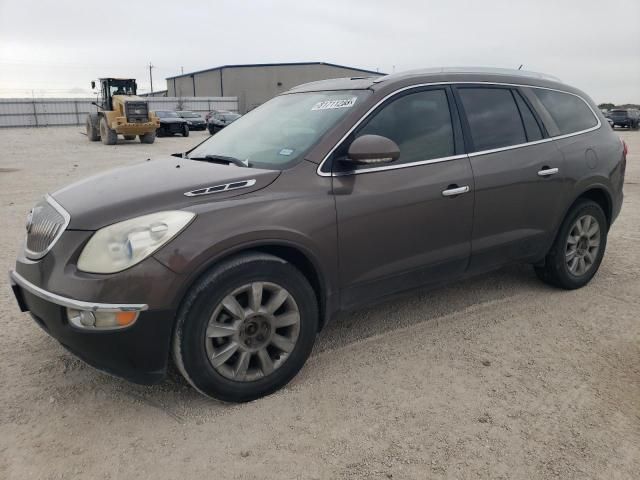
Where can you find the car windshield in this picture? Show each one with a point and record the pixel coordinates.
(164, 114)
(189, 115)
(278, 133)
(230, 116)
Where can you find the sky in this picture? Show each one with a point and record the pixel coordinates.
(55, 48)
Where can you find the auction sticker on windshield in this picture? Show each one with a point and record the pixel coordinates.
(340, 103)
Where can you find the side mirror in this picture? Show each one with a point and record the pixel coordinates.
(371, 149)
(93, 85)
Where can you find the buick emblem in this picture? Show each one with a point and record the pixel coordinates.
(29, 224)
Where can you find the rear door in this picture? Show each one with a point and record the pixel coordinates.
(518, 175)
(398, 227)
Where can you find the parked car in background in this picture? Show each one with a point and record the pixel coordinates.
(328, 197)
(171, 123)
(194, 120)
(625, 117)
(219, 120)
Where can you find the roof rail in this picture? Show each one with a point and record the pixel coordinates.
(488, 70)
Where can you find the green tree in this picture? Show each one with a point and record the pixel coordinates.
(606, 106)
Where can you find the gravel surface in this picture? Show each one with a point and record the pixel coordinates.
(495, 377)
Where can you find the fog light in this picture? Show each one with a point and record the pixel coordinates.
(100, 320)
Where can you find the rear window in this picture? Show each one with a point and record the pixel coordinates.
(569, 112)
(493, 116)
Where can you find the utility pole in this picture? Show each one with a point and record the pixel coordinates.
(182, 70)
(151, 77)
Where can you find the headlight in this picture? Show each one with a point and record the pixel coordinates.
(122, 245)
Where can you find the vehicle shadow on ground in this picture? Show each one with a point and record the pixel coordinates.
(425, 305)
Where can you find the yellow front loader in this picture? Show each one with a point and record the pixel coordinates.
(121, 112)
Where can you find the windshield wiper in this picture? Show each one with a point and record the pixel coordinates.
(222, 159)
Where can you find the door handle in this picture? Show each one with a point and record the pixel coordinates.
(454, 190)
(546, 172)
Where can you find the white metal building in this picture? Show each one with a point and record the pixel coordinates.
(256, 83)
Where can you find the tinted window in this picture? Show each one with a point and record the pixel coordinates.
(420, 123)
(493, 117)
(570, 113)
(530, 124)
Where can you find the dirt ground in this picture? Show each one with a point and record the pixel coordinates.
(496, 377)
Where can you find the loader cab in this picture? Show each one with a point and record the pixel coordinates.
(114, 86)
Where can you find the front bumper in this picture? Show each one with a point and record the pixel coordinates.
(138, 353)
(123, 127)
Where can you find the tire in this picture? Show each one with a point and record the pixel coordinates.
(149, 137)
(212, 130)
(634, 126)
(108, 136)
(202, 310)
(93, 134)
(185, 130)
(129, 137)
(563, 267)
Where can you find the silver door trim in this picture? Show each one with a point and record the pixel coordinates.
(453, 157)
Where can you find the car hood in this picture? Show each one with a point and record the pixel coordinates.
(152, 186)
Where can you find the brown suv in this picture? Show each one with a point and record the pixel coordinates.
(335, 194)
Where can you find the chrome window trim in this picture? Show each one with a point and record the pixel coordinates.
(17, 279)
(67, 219)
(453, 157)
(226, 188)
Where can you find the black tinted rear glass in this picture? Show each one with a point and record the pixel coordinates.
(570, 113)
(494, 119)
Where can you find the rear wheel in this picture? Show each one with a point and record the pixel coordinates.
(578, 249)
(185, 130)
(149, 137)
(246, 328)
(108, 136)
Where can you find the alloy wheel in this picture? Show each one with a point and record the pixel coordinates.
(583, 244)
(252, 331)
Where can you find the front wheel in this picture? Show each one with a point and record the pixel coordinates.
(578, 249)
(148, 137)
(107, 135)
(93, 133)
(246, 328)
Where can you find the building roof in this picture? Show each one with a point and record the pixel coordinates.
(292, 64)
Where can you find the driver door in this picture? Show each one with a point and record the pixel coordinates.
(399, 225)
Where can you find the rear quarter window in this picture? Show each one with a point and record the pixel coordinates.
(569, 112)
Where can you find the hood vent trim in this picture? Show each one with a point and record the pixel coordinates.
(225, 187)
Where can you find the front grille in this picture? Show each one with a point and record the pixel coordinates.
(137, 112)
(46, 222)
